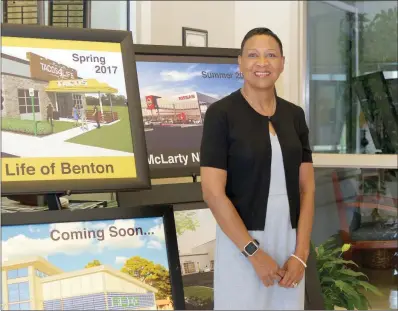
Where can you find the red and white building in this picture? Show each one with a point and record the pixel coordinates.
(188, 108)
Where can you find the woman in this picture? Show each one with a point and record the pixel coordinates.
(75, 114)
(257, 178)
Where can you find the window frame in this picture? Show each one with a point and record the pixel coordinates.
(334, 160)
(26, 99)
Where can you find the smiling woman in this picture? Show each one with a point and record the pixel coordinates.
(264, 216)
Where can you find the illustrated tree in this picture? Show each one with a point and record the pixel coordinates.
(150, 273)
(185, 221)
(93, 263)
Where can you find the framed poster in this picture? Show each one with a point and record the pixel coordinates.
(101, 259)
(71, 113)
(196, 236)
(177, 85)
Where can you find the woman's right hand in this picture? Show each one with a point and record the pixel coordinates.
(266, 268)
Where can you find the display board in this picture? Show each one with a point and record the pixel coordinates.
(177, 85)
(101, 259)
(71, 113)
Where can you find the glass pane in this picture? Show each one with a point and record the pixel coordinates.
(13, 293)
(357, 207)
(24, 306)
(24, 291)
(353, 68)
(12, 274)
(23, 272)
(14, 306)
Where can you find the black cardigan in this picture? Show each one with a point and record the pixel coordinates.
(236, 139)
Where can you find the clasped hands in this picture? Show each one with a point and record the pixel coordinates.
(288, 276)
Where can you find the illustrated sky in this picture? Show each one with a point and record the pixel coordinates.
(171, 78)
(28, 241)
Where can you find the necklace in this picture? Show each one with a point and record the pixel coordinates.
(251, 103)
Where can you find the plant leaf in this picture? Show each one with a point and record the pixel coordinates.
(352, 273)
(363, 303)
(347, 289)
(370, 287)
(327, 279)
(337, 262)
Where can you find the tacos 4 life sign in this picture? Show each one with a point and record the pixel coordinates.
(45, 69)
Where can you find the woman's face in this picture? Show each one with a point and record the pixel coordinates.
(261, 62)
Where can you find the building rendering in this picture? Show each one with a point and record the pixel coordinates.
(200, 259)
(53, 84)
(19, 75)
(36, 284)
(183, 108)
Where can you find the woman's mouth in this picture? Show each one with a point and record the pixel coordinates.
(262, 74)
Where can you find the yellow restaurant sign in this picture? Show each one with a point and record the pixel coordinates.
(79, 86)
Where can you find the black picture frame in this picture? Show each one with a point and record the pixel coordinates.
(164, 211)
(142, 180)
(153, 52)
(199, 31)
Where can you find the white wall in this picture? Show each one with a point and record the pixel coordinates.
(109, 14)
(283, 18)
(168, 17)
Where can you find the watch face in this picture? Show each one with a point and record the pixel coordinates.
(251, 248)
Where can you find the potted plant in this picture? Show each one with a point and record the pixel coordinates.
(341, 286)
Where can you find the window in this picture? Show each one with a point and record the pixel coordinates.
(18, 292)
(69, 13)
(22, 11)
(353, 72)
(189, 267)
(19, 306)
(40, 274)
(17, 273)
(25, 101)
(77, 99)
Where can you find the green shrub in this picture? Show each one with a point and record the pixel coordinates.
(341, 286)
(25, 126)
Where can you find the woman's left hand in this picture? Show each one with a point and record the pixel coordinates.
(294, 273)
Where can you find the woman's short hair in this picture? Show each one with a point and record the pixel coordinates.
(261, 31)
